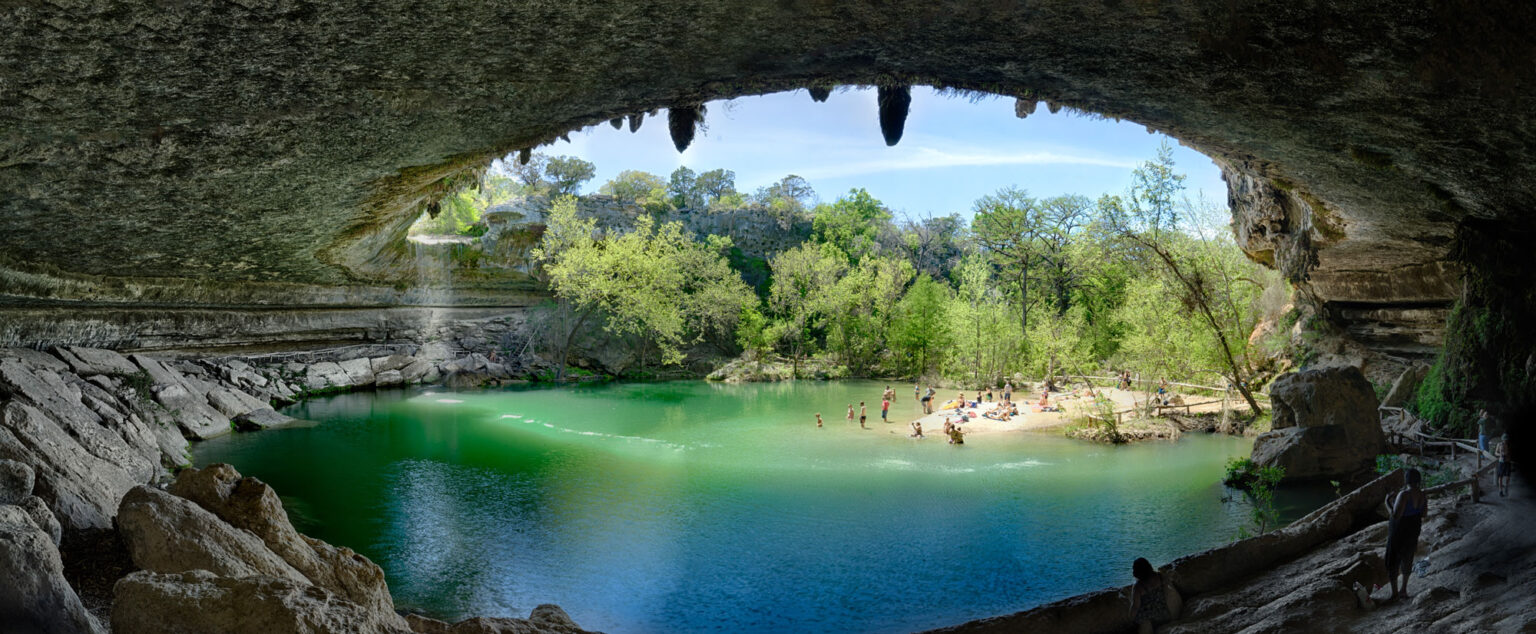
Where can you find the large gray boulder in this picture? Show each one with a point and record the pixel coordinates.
(34, 597)
(166, 533)
(1406, 387)
(250, 505)
(1325, 426)
(545, 619)
(16, 480)
(198, 601)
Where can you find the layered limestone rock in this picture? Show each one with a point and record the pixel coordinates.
(1325, 426)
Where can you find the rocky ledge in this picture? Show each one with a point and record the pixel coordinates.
(87, 439)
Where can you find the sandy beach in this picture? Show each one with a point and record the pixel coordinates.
(1070, 407)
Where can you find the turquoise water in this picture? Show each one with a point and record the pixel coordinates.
(692, 507)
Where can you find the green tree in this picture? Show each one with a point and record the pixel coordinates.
(1008, 225)
(803, 277)
(790, 196)
(860, 307)
(921, 332)
(683, 188)
(715, 185)
(852, 224)
(566, 174)
(642, 188)
(1150, 228)
(653, 281)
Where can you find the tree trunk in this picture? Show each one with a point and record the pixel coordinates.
(565, 352)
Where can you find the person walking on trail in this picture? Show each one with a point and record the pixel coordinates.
(1408, 507)
(1502, 453)
(1482, 430)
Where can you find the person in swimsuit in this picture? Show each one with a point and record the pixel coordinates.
(850, 412)
(917, 429)
(862, 415)
(885, 409)
(1408, 508)
(1154, 601)
(1504, 468)
(818, 420)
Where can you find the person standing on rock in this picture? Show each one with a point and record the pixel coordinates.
(1482, 430)
(1407, 517)
(1502, 453)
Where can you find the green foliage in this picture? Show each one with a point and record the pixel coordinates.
(1387, 463)
(1240, 472)
(642, 188)
(654, 281)
(921, 332)
(852, 225)
(566, 174)
(1262, 490)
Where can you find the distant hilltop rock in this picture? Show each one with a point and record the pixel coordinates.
(755, 229)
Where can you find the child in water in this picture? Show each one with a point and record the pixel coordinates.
(818, 420)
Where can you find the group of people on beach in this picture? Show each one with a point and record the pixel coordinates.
(885, 409)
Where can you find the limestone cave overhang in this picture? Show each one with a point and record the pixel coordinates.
(274, 152)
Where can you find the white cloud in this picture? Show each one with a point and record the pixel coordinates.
(930, 158)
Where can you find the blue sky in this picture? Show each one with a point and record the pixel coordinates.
(954, 151)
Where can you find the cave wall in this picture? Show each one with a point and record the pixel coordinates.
(272, 152)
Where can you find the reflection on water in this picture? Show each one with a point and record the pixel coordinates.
(691, 507)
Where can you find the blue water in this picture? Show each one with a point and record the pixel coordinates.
(691, 507)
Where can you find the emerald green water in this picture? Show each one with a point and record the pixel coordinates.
(692, 507)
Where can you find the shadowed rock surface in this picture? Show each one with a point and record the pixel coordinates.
(282, 149)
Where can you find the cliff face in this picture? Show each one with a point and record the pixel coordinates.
(210, 153)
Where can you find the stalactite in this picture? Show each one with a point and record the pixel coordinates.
(819, 94)
(895, 101)
(1023, 107)
(635, 120)
(1054, 107)
(524, 155)
(617, 123)
(683, 121)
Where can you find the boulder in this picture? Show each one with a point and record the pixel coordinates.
(1325, 426)
(416, 371)
(264, 419)
(16, 480)
(191, 411)
(34, 596)
(324, 375)
(545, 619)
(233, 403)
(89, 361)
(1406, 387)
(391, 362)
(389, 378)
(42, 517)
(166, 533)
(35, 358)
(250, 505)
(199, 601)
(358, 371)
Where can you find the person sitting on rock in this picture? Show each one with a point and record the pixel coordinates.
(1408, 507)
(1154, 600)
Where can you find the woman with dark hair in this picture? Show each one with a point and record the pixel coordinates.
(1154, 601)
(1407, 515)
